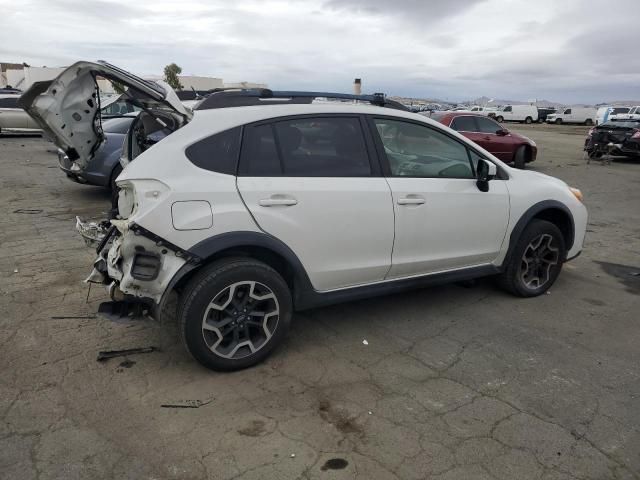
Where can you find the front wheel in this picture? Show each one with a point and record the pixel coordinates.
(234, 313)
(588, 122)
(558, 121)
(536, 260)
(520, 157)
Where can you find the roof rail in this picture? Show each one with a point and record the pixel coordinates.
(264, 96)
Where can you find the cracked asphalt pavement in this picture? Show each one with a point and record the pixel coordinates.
(454, 382)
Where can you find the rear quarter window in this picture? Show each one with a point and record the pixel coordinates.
(9, 103)
(217, 153)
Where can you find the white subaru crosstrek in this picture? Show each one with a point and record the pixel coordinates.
(259, 203)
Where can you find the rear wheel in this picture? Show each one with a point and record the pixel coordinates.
(500, 119)
(536, 261)
(234, 313)
(528, 120)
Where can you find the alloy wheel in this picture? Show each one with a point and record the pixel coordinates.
(240, 319)
(538, 259)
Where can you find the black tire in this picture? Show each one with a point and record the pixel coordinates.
(558, 121)
(117, 170)
(520, 158)
(499, 119)
(513, 278)
(212, 283)
(588, 122)
(528, 120)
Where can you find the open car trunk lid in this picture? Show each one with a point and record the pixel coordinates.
(68, 107)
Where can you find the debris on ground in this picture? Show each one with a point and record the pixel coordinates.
(187, 403)
(364, 342)
(106, 355)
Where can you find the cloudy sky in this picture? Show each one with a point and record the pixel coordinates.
(567, 51)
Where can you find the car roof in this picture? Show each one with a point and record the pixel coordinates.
(249, 114)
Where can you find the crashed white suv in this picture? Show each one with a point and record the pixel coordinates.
(260, 203)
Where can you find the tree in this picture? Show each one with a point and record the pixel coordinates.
(118, 87)
(171, 73)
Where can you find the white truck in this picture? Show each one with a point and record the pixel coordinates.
(586, 115)
(605, 114)
(633, 114)
(516, 113)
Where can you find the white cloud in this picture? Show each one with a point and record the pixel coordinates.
(569, 51)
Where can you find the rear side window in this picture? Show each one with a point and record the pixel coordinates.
(308, 147)
(464, 123)
(9, 102)
(217, 153)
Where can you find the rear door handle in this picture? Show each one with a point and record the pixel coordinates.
(276, 201)
(411, 201)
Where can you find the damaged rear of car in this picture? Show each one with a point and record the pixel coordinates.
(69, 111)
(615, 137)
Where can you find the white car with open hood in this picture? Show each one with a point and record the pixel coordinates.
(259, 203)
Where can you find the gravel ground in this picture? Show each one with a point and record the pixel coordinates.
(454, 382)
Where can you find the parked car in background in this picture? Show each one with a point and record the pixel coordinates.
(544, 112)
(516, 113)
(615, 137)
(632, 114)
(584, 115)
(12, 117)
(604, 114)
(116, 106)
(509, 147)
(104, 167)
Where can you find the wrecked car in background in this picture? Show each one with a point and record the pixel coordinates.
(615, 137)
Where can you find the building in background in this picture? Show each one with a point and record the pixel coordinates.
(22, 76)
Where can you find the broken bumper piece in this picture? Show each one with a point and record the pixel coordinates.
(92, 232)
(135, 264)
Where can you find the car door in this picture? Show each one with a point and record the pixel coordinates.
(310, 182)
(501, 145)
(442, 220)
(11, 115)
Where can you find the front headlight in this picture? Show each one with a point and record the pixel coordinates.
(576, 193)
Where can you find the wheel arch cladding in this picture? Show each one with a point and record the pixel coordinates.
(255, 245)
(550, 210)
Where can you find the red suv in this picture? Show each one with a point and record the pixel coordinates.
(490, 135)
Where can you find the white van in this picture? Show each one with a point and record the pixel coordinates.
(632, 114)
(606, 113)
(586, 115)
(516, 113)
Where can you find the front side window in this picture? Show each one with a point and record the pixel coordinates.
(486, 125)
(567, 111)
(508, 109)
(306, 147)
(464, 123)
(420, 151)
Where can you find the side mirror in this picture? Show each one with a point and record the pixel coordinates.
(485, 171)
(502, 132)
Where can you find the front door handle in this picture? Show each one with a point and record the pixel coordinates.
(277, 201)
(411, 201)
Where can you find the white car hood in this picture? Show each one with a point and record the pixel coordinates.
(68, 107)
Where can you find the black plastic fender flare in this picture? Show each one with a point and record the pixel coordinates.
(529, 214)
